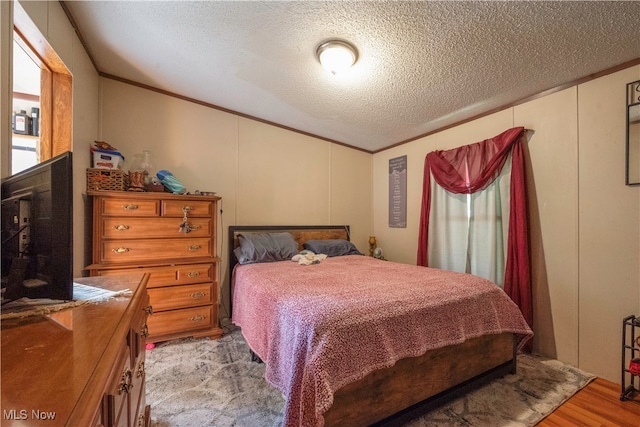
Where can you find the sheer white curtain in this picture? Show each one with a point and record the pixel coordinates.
(448, 228)
(468, 232)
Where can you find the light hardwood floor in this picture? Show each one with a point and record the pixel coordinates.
(598, 404)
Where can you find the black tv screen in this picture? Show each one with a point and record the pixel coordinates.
(37, 231)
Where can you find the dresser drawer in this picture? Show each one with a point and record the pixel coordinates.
(138, 394)
(200, 208)
(196, 273)
(136, 228)
(130, 207)
(115, 400)
(139, 331)
(182, 296)
(172, 275)
(130, 251)
(188, 319)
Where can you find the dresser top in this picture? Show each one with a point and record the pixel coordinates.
(140, 195)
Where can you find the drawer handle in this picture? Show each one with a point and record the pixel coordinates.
(193, 274)
(125, 382)
(194, 247)
(187, 208)
(121, 250)
(195, 227)
(199, 318)
(144, 331)
(149, 310)
(140, 370)
(121, 227)
(197, 295)
(130, 207)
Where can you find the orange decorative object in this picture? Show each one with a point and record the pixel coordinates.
(372, 244)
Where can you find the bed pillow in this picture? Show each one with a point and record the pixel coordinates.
(265, 247)
(332, 247)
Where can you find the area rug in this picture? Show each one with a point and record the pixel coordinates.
(202, 382)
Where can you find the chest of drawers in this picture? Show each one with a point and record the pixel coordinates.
(174, 239)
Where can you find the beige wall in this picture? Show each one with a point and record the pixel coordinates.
(584, 220)
(265, 175)
(608, 221)
(552, 180)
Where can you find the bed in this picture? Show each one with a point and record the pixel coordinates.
(352, 340)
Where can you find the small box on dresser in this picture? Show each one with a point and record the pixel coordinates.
(174, 239)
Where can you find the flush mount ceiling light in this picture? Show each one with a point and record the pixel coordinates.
(337, 55)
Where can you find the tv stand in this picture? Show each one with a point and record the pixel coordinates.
(82, 366)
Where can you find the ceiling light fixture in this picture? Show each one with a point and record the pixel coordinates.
(337, 55)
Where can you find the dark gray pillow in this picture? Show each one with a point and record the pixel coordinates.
(332, 247)
(265, 247)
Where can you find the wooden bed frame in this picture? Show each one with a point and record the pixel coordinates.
(414, 385)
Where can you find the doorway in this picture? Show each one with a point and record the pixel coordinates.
(25, 141)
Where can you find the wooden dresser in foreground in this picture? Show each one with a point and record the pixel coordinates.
(81, 366)
(171, 237)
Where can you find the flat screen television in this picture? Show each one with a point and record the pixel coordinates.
(37, 231)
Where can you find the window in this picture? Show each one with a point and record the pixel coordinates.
(493, 173)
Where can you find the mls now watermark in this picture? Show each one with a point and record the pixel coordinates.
(24, 414)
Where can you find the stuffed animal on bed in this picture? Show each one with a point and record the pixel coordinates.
(306, 257)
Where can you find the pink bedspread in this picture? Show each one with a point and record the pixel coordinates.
(322, 326)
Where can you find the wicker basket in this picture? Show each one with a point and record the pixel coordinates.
(107, 180)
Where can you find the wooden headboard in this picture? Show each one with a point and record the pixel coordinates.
(300, 233)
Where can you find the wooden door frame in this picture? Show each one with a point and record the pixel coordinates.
(56, 87)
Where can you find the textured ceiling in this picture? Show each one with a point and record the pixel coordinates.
(422, 65)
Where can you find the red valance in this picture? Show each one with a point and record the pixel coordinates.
(468, 169)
